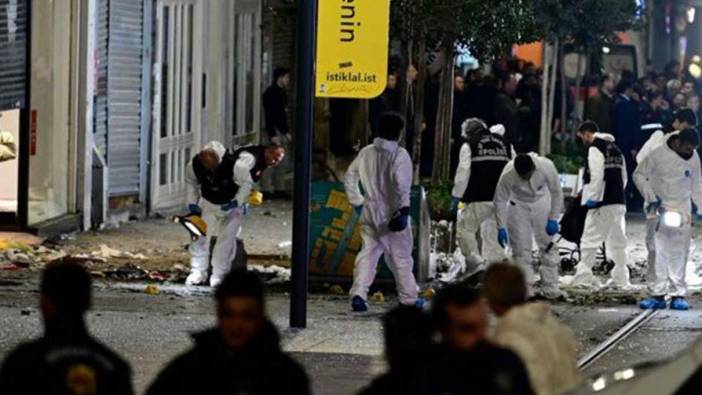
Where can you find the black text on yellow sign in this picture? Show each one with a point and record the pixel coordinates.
(352, 48)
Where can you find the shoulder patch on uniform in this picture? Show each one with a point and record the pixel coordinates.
(81, 379)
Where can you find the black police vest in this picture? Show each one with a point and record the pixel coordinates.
(489, 156)
(614, 165)
(218, 187)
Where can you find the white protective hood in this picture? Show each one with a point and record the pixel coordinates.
(217, 148)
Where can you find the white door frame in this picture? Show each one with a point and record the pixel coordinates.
(171, 152)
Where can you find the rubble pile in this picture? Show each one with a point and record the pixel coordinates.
(271, 274)
(18, 256)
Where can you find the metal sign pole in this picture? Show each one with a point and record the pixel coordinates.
(306, 22)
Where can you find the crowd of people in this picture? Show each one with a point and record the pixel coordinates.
(452, 349)
(510, 95)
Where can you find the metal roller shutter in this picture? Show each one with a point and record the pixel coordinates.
(100, 134)
(13, 53)
(120, 77)
(125, 53)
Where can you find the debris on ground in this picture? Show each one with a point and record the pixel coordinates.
(152, 289)
(10, 267)
(285, 244)
(378, 297)
(109, 253)
(428, 293)
(272, 274)
(449, 267)
(336, 290)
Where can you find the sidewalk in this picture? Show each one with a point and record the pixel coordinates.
(153, 248)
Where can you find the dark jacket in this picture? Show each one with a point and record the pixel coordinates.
(599, 109)
(415, 382)
(64, 362)
(275, 104)
(627, 127)
(220, 186)
(487, 370)
(507, 113)
(209, 368)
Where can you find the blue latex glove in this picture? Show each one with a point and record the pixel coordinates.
(653, 206)
(591, 203)
(552, 227)
(399, 220)
(454, 206)
(358, 209)
(502, 237)
(245, 209)
(194, 209)
(229, 206)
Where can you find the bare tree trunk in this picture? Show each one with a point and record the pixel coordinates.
(579, 109)
(405, 88)
(552, 92)
(442, 131)
(564, 102)
(419, 107)
(545, 102)
(548, 91)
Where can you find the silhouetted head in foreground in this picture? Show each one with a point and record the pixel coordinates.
(240, 308)
(65, 293)
(504, 287)
(407, 331)
(461, 317)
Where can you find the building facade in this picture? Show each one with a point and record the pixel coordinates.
(106, 101)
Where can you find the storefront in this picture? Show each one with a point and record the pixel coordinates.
(14, 102)
(37, 42)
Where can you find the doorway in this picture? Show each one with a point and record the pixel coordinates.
(177, 98)
(15, 39)
(244, 73)
(9, 165)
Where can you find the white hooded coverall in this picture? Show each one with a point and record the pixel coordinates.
(602, 224)
(226, 224)
(385, 171)
(476, 216)
(677, 182)
(657, 139)
(524, 208)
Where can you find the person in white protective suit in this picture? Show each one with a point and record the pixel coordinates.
(669, 179)
(547, 347)
(528, 201)
(483, 156)
(219, 186)
(385, 171)
(603, 194)
(683, 119)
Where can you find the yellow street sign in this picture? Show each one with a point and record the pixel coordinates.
(352, 48)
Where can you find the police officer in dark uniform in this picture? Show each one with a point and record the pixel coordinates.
(482, 159)
(603, 193)
(220, 183)
(67, 360)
